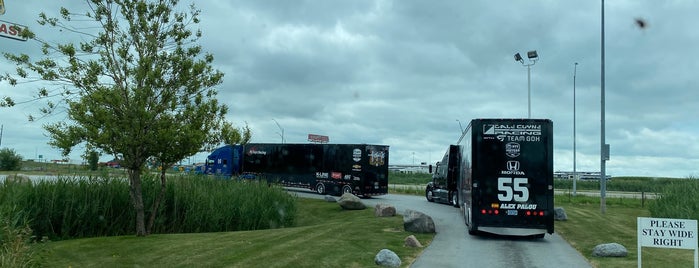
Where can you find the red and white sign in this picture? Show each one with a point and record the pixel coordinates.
(11, 30)
(318, 138)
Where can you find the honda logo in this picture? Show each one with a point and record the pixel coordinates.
(512, 165)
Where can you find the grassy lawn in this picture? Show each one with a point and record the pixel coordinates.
(326, 236)
(587, 227)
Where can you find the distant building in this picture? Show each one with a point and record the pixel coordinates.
(410, 169)
(583, 175)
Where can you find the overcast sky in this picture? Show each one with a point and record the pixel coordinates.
(409, 74)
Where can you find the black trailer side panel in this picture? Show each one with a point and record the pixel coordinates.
(333, 168)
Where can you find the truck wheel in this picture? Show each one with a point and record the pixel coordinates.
(454, 199)
(346, 189)
(320, 188)
(429, 194)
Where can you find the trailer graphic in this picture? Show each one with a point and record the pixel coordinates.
(360, 169)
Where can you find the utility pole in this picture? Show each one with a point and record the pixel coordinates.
(575, 172)
(604, 151)
(1, 128)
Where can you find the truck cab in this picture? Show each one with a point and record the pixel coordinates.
(442, 188)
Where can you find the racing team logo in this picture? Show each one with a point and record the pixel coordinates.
(376, 158)
(512, 149)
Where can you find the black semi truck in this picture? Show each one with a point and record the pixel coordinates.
(445, 175)
(361, 169)
(500, 174)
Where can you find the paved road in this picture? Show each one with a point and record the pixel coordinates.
(453, 247)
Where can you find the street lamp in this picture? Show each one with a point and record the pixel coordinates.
(280, 129)
(575, 172)
(533, 57)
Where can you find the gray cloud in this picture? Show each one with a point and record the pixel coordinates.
(402, 73)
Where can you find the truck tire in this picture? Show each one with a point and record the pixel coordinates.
(454, 199)
(429, 194)
(346, 189)
(320, 188)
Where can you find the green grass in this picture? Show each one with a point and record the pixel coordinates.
(587, 227)
(325, 236)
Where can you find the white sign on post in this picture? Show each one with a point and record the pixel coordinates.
(667, 233)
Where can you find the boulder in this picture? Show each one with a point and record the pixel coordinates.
(417, 222)
(387, 258)
(412, 242)
(351, 202)
(384, 210)
(559, 214)
(330, 199)
(609, 250)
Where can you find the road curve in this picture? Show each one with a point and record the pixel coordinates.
(454, 247)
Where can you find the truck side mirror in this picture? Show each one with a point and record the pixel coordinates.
(430, 169)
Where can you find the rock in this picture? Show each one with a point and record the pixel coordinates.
(417, 222)
(330, 199)
(559, 214)
(387, 258)
(351, 202)
(609, 250)
(384, 210)
(412, 242)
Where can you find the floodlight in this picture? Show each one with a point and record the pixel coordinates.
(518, 57)
(532, 55)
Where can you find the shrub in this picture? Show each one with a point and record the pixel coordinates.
(9, 160)
(73, 207)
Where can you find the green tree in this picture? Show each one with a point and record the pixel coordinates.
(93, 158)
(232, 135)
(140, 87)
(10, 160)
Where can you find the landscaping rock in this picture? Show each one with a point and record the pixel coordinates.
(417, 222)
(349, 201)
(412, 242)
(609, 250)
(330, 199)
(384, 210)
(387, 258)
(559, 214)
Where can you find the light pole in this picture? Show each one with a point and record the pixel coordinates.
(575, 172)
(604, 148)
(533, 57)
(280, 129)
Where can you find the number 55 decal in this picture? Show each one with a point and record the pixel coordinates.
(510, 189)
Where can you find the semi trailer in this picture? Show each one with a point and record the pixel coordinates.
(360, 169)
(500, 175)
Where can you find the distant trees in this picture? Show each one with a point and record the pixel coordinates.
(10, 160)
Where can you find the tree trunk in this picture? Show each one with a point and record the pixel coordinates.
(156, 204)
(136, 193)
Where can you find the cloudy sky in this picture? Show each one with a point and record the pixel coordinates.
(410, 74)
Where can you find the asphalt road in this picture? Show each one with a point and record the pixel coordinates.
(454, 247)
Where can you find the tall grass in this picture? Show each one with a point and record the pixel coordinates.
(73, 207)
(624, 184)
(15, 240)
(679, 200)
